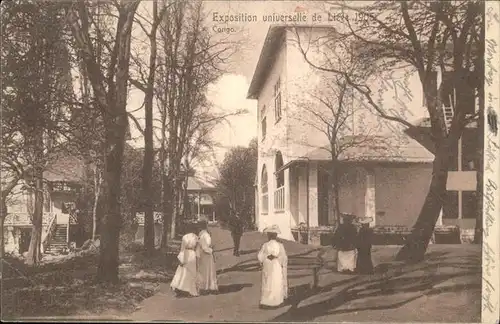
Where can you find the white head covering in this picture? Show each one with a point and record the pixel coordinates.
(272, 229)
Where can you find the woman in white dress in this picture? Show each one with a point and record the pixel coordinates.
(207, 275)
(184, 281)
(274, 261)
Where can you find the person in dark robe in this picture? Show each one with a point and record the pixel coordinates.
(236, 227)
(344, 241)
(364, 263)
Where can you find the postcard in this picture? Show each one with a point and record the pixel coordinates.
(250, 161)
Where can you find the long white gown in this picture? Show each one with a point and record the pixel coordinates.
(207, 272)
(185, 275)
(274, 288)
(346, 260)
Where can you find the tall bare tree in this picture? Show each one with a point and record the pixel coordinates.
(146, 85)
(110, 89)
(190, 59)
(329, 108)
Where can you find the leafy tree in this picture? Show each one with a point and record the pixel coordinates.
(36, 86)
(235, 185)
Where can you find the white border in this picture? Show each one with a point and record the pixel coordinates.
(491, 202)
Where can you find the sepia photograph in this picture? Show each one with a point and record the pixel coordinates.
(250, 161)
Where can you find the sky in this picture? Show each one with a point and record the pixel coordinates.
(229, 92)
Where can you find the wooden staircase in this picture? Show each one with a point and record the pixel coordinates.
(448, 116)
(59, 241)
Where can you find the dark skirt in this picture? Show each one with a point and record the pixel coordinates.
(364, 263)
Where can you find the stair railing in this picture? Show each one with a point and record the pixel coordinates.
(49, 233)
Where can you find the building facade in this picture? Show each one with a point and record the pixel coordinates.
(386, 178)
(63, 178)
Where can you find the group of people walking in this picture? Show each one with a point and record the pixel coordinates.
(196, 273)
(353, 246)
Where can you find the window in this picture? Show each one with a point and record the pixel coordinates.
(263, 128)
(279, 193)
(277, 100)
(264, 191)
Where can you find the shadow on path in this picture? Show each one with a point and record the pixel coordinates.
(249, 252)
(253, 265)
(227, 289)
(420, 279)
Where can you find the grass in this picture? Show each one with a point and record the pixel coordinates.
(67, 287)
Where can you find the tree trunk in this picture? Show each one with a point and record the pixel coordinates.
(175, 209)
(167, 210)
(147, 175)
(147, 171)
(107, 270)
(34, 253)
(418, 240)
(164, 239)
(97, 195)
(334, 185)
(3, 212)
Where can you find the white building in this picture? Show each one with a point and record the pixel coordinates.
(386, 179)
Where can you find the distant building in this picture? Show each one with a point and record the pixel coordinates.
(200, 206)
(64, 177)
(201, 199)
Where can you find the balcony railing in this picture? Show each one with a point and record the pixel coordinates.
(24, 219)
(279, 199)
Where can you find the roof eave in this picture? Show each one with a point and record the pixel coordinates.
(274, 34)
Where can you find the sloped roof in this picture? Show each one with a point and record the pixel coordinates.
(382, 148)
(196, 184)
(68, 168)
(425, 122)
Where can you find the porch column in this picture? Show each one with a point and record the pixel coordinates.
(370, 195)
(199, 202)
(287, 190)
(313, 194)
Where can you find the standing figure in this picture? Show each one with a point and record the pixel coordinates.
(364, 263)
(236, 228)
(344, 241)
(207, 275)
(274, 261)
(184, 281)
